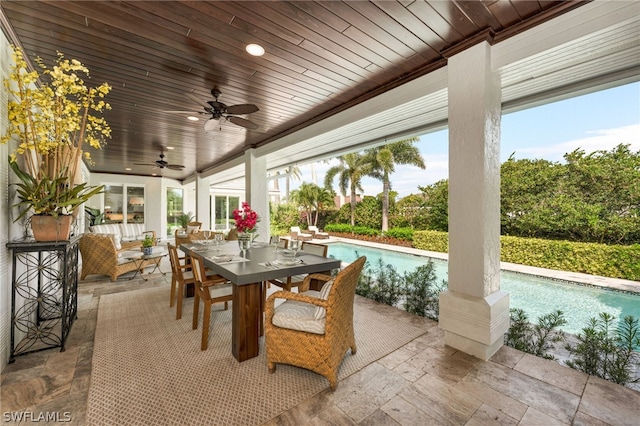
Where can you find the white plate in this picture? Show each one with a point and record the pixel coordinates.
(223, 258)
(287, 262)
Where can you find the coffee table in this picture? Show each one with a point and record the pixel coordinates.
(154, 259)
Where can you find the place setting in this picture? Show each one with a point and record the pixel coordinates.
(284, 256)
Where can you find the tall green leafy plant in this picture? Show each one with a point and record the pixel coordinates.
(536, 339)
(422, 292)
(605, 351)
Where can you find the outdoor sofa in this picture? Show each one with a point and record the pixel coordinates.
(126, 235)
(100, 256)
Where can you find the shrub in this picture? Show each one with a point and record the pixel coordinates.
(400, 233)
(537, 338)
(422, 292)
(382, 284)
(606, 353)
(431, 240)
(348, 229)
(616, 261)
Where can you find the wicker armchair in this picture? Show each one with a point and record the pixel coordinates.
(184, 236)
(316, 343)
(99, 256)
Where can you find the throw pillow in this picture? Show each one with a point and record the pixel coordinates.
(192, 229)
(116, 241)
(324, 295)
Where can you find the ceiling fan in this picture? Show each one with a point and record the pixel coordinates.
(162, 164)
(216, 110)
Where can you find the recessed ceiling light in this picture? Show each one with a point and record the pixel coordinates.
(170, 147)
(128, 169)
(193, 118)
(255, 49)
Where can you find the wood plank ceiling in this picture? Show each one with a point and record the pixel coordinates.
(321, 57)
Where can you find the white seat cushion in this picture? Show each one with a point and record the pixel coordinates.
(296, 315)
(220, 290)
(188, 275)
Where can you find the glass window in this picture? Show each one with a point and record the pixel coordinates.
(135, 204)
(220, 213)
(223, 211)
(174, 209)
(113, 205)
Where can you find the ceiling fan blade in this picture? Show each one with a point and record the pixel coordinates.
(194, 98)
(174, 166)
(243, 122)
(210, 125)
(242, 109)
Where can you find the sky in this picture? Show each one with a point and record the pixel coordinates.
(597, 121)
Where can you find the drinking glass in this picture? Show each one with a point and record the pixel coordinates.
(245, 244)
(207, 235)
(275, 240)
(294, 245)
(217, 238)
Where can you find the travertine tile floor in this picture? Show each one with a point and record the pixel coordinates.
(422, 383)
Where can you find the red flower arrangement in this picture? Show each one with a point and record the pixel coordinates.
(246, 219)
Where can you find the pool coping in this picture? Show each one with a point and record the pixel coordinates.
(574, 277)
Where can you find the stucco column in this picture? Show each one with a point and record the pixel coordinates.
(256, 187)
(203, 202)
(474, 312)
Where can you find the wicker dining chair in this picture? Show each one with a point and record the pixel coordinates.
(210, 289)
(287, 283)
(314, 330)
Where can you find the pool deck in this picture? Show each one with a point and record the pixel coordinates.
(577, 277)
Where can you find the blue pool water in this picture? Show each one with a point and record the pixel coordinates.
(535, 295)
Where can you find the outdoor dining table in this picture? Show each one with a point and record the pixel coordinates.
(247, 276)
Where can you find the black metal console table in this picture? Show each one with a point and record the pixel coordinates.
(44, 299)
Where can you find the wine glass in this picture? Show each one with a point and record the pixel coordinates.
(245, 244)
(207, 235)
(217, 237)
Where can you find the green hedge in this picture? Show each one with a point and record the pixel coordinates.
(613, 261)
(348, 229)
(400, 233)
(431, 240)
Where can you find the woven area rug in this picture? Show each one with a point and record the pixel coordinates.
(148, 368)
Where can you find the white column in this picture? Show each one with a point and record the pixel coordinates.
(256, 187)
(474, 312)
(203, 202)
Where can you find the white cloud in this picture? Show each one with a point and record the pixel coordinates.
(604, 139)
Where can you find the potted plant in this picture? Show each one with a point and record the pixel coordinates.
(95, 216)
(147, 245)
(247, 226)
(184, 219)
(50, 123)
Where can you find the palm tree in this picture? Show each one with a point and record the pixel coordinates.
(352, 168)
(292, 172)
(323, 199)
(304, 197)
(383, 160)
(312, 197)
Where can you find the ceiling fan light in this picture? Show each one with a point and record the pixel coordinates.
(255, 49)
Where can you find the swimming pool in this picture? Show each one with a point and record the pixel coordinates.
(535, 295)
